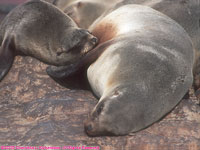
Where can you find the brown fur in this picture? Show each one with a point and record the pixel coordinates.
(109, 31)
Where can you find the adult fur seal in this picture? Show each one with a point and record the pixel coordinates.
(185, 12)
(142, 75)
(144, 71)
(39, 29)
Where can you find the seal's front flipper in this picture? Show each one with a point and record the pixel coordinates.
(62, 71)
(6, 58)
(69, 76)
(75, 75)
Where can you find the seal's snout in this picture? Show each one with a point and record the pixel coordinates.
(88, 128)
(93, 129)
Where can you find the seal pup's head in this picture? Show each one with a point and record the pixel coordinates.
(39, 29)
(75, 45)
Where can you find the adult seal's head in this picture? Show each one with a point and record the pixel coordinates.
(38, 29)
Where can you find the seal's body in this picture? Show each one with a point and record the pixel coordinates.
(186, 13)
(142, 74)
(84, 12)
(40, 30)
(61, 3)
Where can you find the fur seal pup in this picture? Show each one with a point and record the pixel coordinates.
(143, 70)
(39, 29)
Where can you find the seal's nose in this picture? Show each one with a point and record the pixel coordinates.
(88, 128)
(94, 40)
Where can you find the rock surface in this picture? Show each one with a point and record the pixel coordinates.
(36, 111)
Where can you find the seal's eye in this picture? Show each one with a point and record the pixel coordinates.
(84, 31)
(97, 111)
(100, 108)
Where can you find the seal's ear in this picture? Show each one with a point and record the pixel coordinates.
(6, 58)
(79, 4)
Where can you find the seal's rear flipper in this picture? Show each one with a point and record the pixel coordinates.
(6, 59)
